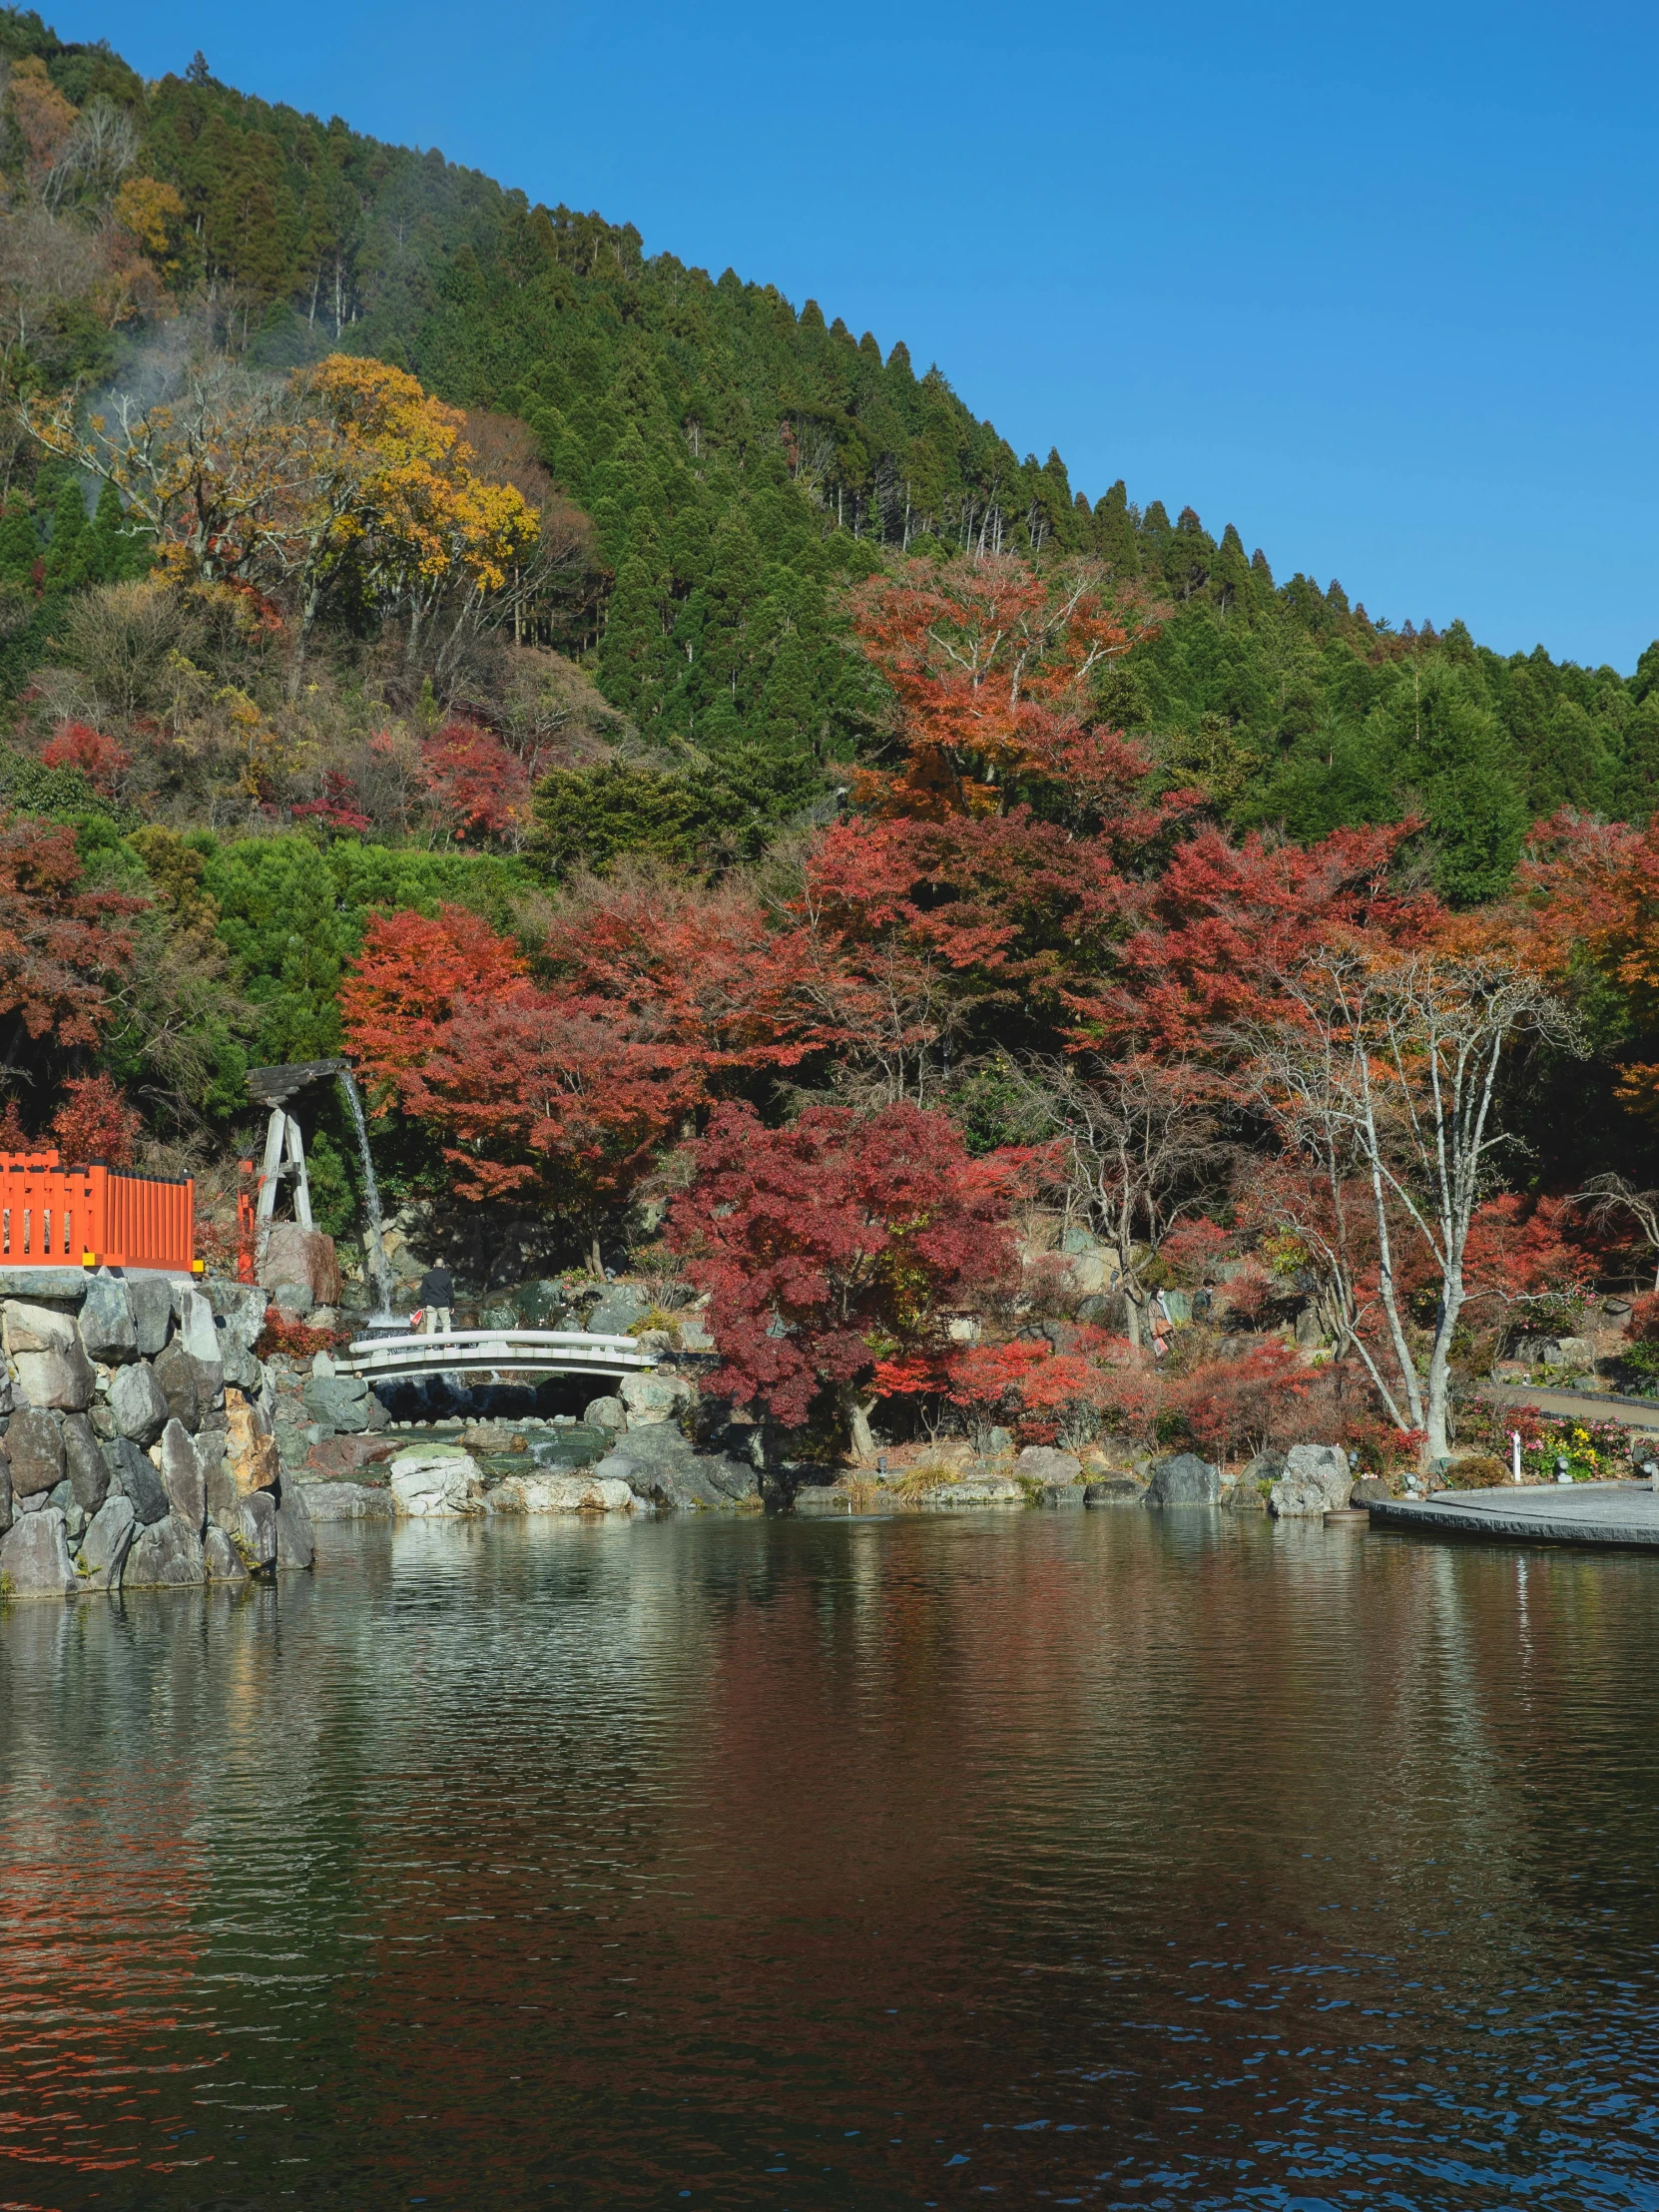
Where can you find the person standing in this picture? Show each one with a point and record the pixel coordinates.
(436, 1297)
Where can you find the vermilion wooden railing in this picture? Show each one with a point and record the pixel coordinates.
(55, 1216)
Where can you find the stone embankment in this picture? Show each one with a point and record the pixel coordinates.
(627, 1454)
(1306, 1481)
(135, 1441)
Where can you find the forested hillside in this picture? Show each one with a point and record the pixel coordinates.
(644, 725)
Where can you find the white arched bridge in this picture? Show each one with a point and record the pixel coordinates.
(502, 1351)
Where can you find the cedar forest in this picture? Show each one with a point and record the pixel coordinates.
(746, 823)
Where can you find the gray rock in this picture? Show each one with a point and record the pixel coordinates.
(1266, 1466)
(34, 1448)
(43, 1283)
(240, 1367)
(1184, 1479)
(605, 1412)
(83, 1464)
(1043, 1464)
(329, 1501)
(1370, 1489)
(151, 1298)
(35, 1503)
(62, 1500)
(34, 1558)
(1315, 1480)
(107, 1542)
(26, 1326)
(165, 1552)
(344, 1402)
(292, 1298)
(220, 1561)
(208, 1376)
(255, 1535)
(822, 1500)
(196, 1332)
(240, 1308)
(6, 1514)
(175, 1373)
(182, 1478)
(134, 1477)
(137, 1405)
(1244, 1496)
(1060, 1496)
(649, 1398)
(106, 1328)
(63, 1378)
(615, 1311)
(296, 1544)
(1114, 1489)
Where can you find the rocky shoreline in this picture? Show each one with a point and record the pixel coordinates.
(135, 1451)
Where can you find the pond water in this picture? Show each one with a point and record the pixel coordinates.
(1108, 1859)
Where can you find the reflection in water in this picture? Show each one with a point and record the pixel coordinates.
(1107, 1859)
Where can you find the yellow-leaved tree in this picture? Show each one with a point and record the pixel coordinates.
(347, 485)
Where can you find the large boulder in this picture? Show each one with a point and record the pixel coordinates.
(167, 1552)
(1043, 1464)
(649, 1398)
(26, 1326)
(198, 1331)
(615, 1311)
(108, 1540)
(133, 1476)
(6, 1508)
(562, 1493)
(221, 1561)
(63, 1378)
(182, 1478)
(302, 1256)
(344, 1402)
(34, 1449)
(1114, 1489)
(63, 1499)
(106, 1328)
(255, 1535)
(296, 1544)
(83, 1464)
(151, 1299)
(1184, 1479)
(605, 1412)
(327, 1501)
(432, 1483)
(34, 1558)
(249, 1447)
(137, 1404)
(1315, 1480)
(177, 1378)
(1244, 1496)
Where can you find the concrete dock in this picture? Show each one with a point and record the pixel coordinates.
(1625, 1514)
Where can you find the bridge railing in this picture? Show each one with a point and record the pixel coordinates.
(553, 1350)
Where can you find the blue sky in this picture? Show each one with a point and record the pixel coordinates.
(1375, 285)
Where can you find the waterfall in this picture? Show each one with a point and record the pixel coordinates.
(380, 1273)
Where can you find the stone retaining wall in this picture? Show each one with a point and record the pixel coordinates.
(135, 1440)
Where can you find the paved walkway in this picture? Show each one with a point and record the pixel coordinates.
(1633, 1412)
(1624, 1514)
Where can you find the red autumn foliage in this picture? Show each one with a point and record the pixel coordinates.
(699, 972)
(1219, 922)
(1521, 1249)
(95, 1123)
(1238, 1406)
(827, 1244)
(101, 760)
(337, 808)
(399, 994)
(989, 662)
(60, 946)
(475, 788)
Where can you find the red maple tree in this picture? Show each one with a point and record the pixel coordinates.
(830, 1245)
